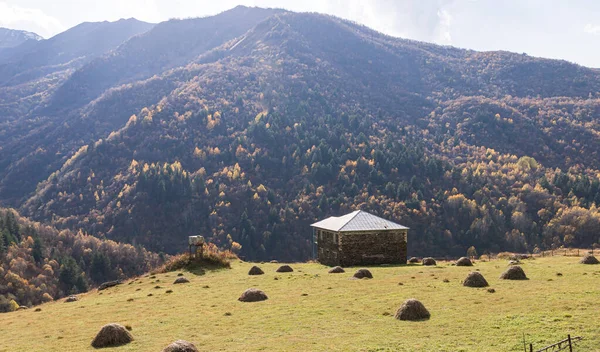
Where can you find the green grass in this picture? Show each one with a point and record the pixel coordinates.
(337, 314)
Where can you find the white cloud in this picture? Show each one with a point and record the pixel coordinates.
(35, 20)
(445, 22)
(592, 29)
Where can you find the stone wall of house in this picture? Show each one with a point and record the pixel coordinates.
(327, 247)
(364, 248)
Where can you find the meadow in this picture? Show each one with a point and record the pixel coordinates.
(311, 310)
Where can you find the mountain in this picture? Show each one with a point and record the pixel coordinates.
(167, 45)
(72, 48)
(11, 38)
(277, 119)
(48, 144)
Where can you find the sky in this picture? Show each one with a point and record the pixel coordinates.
(560, 29)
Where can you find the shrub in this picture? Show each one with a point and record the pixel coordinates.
(505, 255)
(211, 256)
(47, 298)
(472, 252)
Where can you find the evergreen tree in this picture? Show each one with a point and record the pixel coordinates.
(12, 226)
(37, 250)
(70, 276)
(100, 268)
(2, 243)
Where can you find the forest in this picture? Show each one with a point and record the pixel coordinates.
(40, 264)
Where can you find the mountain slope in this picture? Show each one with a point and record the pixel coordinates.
(79, 44)
(285, 125)
(169, 44)
(55, 130)
(304, 116)
(38, 263)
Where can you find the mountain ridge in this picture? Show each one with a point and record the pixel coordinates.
(10, 38)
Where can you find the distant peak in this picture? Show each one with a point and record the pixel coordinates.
(14, 37)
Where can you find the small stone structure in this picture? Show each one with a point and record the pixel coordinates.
(360, 238)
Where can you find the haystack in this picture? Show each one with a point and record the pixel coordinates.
(71, 298)
(112, 335)
(337, 270)
(108, 284)
(285, 269)
(255, 271)
(412, 310)
(180, 346)
(475, 279)
(515, 272)
(464, 261)
(253, 295)
(362, 274)
(429, 261)
(589, 259)
(413, 260)
(181, 280)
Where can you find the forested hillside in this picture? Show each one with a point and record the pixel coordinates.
(39, 263)
(248, 136)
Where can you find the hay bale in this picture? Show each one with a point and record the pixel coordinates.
(180, 346)
(475, 279)
(589, 259)
(71, 298)
(336, 270)
(285, 269)
(412, 310)
(362, 274)
(514, 273)
(181, 280)
(413, 260)
(464, 261)
(255, 271)
(112, 335)
(253, 295)
(108, 284)
(429, 261)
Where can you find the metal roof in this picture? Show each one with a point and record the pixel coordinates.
(357, 221)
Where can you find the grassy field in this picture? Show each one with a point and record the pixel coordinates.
(310, 310)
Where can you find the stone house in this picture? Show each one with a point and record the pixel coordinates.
(359, 238)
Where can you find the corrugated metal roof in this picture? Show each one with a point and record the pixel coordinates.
(357, 221)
